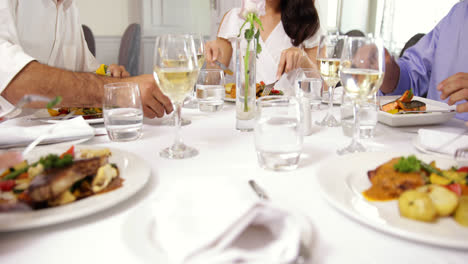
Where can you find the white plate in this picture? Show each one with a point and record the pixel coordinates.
(343, 185)
(229, 99)
(133, 170)
(415, 119)
(42, 113)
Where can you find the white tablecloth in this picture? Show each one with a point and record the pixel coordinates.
(100, 238)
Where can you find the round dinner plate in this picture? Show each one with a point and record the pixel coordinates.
(42, 113)
(342, 186)
(133, 170)
(229, 99)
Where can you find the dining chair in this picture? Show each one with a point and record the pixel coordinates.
(129, 52)
(89, 37)
(412, 41)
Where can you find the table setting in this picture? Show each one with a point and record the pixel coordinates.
(267, 180)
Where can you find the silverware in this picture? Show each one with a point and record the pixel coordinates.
(303, 256)
(99, 115)
(44, 135)
(26, 100)
(224, 68)
(267, 90)
(461, 153)
(426, 111)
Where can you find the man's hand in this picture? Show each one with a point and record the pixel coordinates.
(392, 74)
(455, 88)
(118, 71)
(155, 103)
(289, 60)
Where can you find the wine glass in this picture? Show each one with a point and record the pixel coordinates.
(176, 70)
(191, 101)
(361, 72)
(328, 60)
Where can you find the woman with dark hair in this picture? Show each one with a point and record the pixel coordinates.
(289, 39)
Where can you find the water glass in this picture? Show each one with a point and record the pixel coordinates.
(210, 90)
(310, 85)
(278, 133)
(123, 114)
(368, 116)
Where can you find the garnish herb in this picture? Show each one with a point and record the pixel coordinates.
(54, 102)
(409, 164)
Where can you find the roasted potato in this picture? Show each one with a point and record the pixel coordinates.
(417, 205)
(461, 213)
(444, 200)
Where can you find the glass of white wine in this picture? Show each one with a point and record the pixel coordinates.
(328, 60)
(191, 101)
(176, 70)
(362, 71)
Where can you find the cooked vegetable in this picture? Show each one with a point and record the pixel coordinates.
(54, 102)
(461, 213)
(445, 201)
(7, 185)
(437, 179)
(417, 205)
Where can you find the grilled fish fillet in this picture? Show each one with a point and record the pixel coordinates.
(53, 182)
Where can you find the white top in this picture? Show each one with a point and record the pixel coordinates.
(45, 31)
(268, 60)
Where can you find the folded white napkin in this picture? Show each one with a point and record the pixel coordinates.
(442, 142)
(14, 135)
(222, 221)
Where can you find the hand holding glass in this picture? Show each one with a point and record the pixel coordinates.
(175, 71)
(361, 71)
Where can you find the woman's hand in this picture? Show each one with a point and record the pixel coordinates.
(118, 71)
(289, 61)
(218, 50)
(9, 159)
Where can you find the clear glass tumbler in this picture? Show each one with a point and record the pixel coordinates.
(210, 90)
(368, 116)
(278, 132)
(123, 114)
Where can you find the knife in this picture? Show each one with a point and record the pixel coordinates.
(425, 111)
(225, 69)
(91, 116)
(258, 190)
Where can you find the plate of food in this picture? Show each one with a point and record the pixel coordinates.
(92, 115)
(55, 184)
(230, 91)
(420, 198)
(409, 110)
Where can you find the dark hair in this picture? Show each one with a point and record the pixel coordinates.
(300, 19)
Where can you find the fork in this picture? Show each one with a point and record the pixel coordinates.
(44, 135)
(267, 90)
(26, 100)
(461, 153)
(303, 256)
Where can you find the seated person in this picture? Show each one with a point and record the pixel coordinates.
(44, 52)
(287, 37)
(436, 65)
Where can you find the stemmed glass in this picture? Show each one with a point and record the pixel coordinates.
(191, 101)
(361, 72)
(176, 70)
(328, 60)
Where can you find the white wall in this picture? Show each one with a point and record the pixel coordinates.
(354, 15)
(105, 17)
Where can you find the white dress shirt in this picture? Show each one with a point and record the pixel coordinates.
(268, 60)
(43, 30)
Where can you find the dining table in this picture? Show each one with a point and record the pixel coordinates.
(111, 235)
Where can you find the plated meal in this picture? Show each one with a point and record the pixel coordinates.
(404, 103)
(424, 191)
(58, 179)
(230, 89)
(86, 112)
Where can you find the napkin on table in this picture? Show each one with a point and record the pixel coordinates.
(442, 142)
(223, 221)
(14, 135)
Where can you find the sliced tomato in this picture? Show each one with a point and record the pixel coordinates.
(262, 83)
(7, 185)
(455, 187)
(70, 151)
(463, 169)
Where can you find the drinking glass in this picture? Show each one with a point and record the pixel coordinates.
(210, 90)
(368, 116)
(191, 101)
(175, 71)
(328, 60)
(361, 72)
(277, 132)
(123, 114)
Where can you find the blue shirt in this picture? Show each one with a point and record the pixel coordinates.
(440, 54)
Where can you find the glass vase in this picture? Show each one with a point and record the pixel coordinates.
(246, 55)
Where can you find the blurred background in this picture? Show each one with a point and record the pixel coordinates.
(395, 20)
